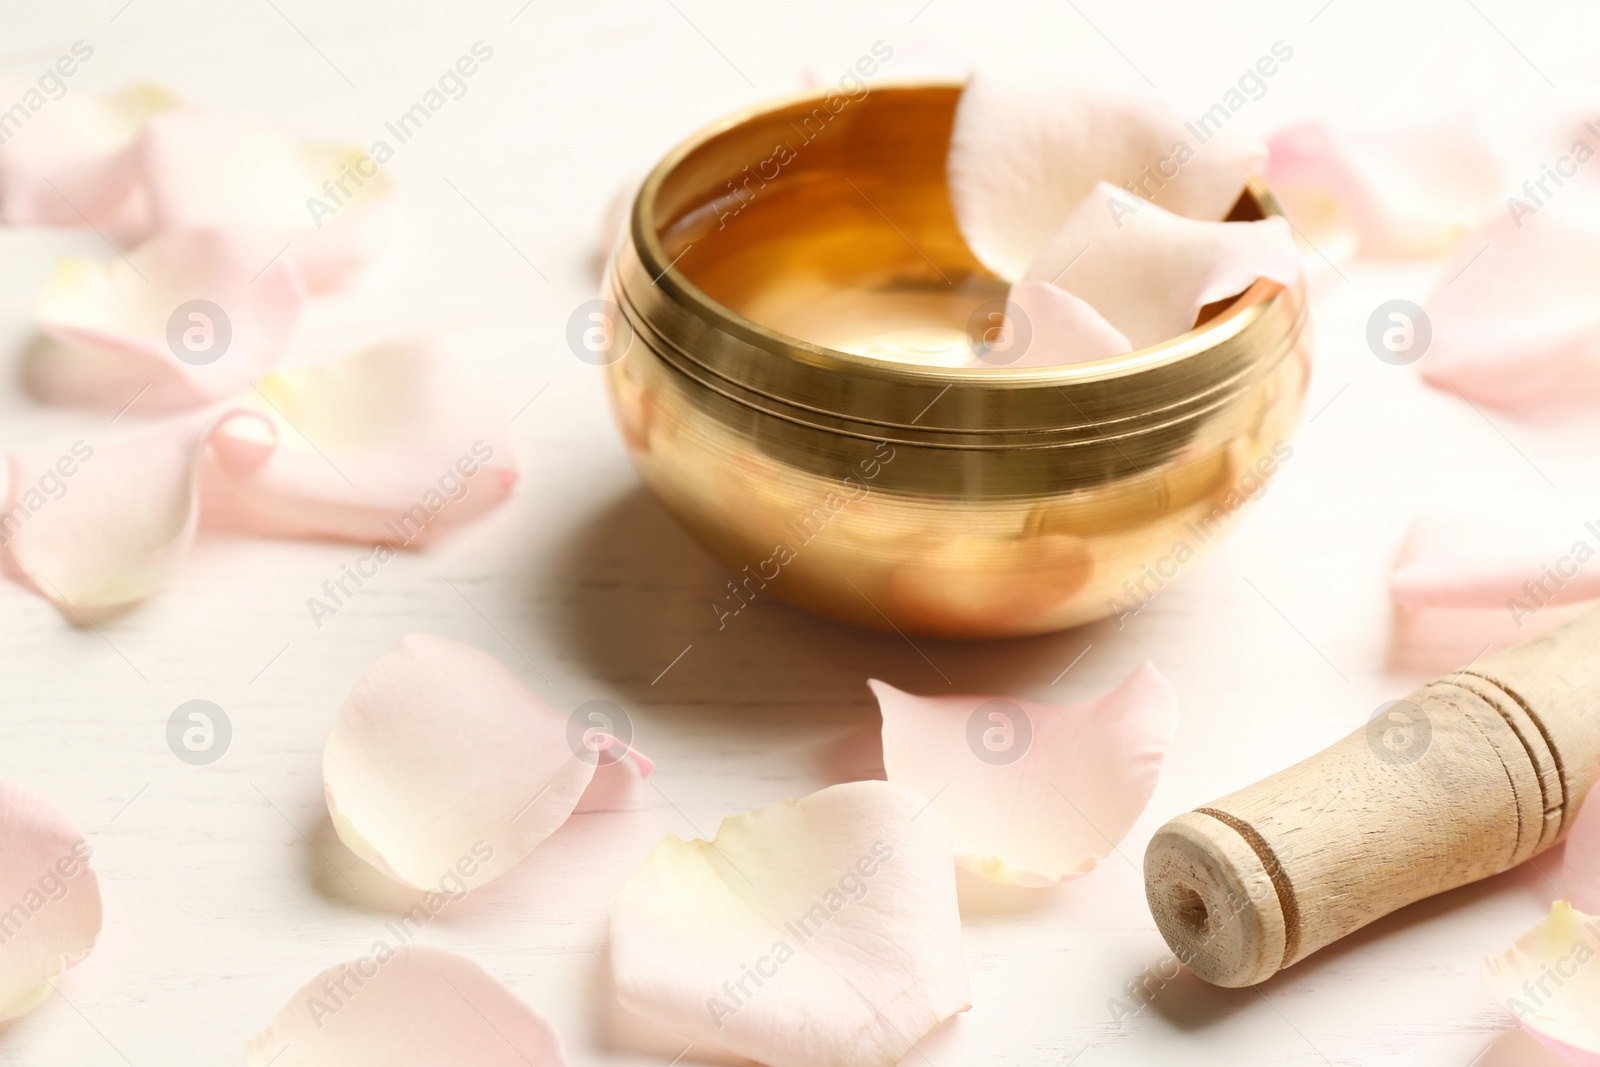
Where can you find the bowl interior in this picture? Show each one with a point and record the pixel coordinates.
(828, 219)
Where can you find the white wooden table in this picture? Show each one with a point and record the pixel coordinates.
(225, 888)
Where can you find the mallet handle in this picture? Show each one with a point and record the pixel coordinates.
(1468, 776)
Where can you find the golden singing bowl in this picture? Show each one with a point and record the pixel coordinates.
(793, 299)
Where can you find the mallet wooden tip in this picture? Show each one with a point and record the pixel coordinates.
(1214, 901)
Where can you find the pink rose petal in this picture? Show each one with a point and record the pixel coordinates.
(49, 897)
(441, 765)
(75, 162)
(1546, 983)
(1148, 272)
(1035, 793)
(94, 528)
(135, 163)
(322, 206)
(1468, 585)
(1046, 326)
(115, 320)
(1468, 563)
(1515, 324)
(391, 445)
(809, 932)
(1515, 1048)
(1022, 159)
(405, 1006)
(1400, 193)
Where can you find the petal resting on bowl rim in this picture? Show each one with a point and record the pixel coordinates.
(1022, 159)
(1148, 272)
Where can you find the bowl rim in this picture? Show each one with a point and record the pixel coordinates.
(1238, 316)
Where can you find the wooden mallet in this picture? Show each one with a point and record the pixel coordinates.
(1468, 776)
